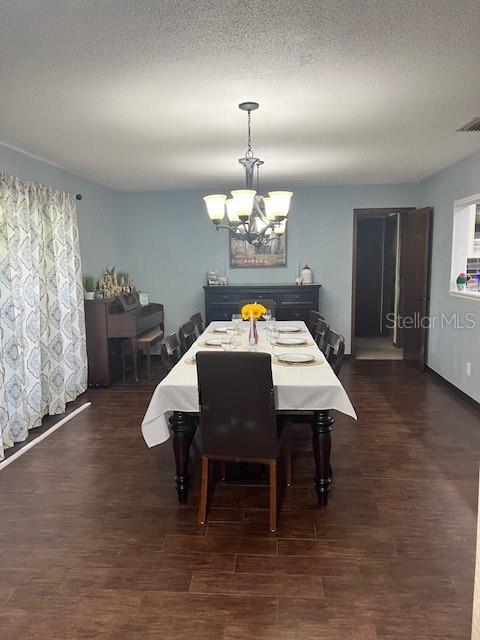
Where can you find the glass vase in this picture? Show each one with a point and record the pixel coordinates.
(253, 333)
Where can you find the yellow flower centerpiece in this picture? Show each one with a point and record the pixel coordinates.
(253, 312)
(253, 309)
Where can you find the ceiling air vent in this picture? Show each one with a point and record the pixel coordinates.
(473, 125)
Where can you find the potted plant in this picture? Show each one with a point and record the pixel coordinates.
(98, 295)
(462, 281)
(89, 287)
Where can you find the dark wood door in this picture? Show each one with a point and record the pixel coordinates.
(389, 272)
(415, 285)
(375, 275)
(369, 276)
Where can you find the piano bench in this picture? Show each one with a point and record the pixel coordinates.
(145, 343)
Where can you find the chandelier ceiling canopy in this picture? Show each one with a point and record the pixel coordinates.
(250, 216)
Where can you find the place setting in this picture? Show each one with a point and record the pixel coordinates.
(290, 359)
(293, 336)
(225, 342)
(290, 328)
(191, 359)
(218, 330)
(293, 341)
(235, 327)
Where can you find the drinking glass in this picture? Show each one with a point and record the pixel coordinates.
(273, 335)
(271, 323)
(267, 315)
(237, 321)
(227, 342)
(232, 329)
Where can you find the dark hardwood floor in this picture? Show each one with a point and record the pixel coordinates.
(93, 544)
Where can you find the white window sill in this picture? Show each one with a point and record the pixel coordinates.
(471, 295)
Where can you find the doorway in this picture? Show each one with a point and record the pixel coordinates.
(376, 285)
(391, 255)
(376, 295)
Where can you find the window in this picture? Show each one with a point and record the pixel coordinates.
(466, 247)
(476, 233)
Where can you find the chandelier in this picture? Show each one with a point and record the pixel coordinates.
(250, 216)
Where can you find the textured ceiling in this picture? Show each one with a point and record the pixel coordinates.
(143, 94)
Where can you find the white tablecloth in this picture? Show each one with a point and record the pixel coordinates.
(296, 388)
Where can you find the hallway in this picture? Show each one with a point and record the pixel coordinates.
(376, 348)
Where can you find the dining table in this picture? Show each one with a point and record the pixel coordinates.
(306, 391)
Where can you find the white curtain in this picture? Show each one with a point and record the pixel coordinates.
(43, 362)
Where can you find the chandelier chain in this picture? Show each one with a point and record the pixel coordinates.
(249, 152)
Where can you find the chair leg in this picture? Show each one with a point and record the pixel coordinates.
(202, 508)
(288, 461)
(124, 366)
(223, 470)
(273, 496)
(149, 362)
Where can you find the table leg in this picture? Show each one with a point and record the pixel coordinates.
(183, 427)
(322, 426)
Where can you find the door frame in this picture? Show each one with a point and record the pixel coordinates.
(357, 215)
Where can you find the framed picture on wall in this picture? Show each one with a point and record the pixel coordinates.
(243, 255)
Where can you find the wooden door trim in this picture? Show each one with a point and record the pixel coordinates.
(358, 214)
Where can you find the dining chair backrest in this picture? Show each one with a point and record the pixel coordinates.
(320, 333)
(170, 350)
(187, 335)
(334, 350)
(267, 303)
(197, 322)
(237, 405)
(313, 318)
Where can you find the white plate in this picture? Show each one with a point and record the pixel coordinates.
(220, 329)
(287, 342)
(193, 358)
(288, 329)
(214, 342)
(296, 358)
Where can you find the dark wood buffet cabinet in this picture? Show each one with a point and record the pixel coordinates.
(293, 302)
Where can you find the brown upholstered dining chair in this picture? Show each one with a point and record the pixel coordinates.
(320, 333)
(170, 351)
(267, 303)
(187, 335)
(197, 322)
(313, 317)
(238, 422)
(334, 350)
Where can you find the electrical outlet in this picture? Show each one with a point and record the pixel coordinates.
(468, 369)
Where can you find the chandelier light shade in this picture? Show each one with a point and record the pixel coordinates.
(280, 203)
(215, 207)
(250, 216)
(232, 213)
(243, 199)
(267, 203)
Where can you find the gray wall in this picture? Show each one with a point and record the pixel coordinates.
(169, 245)
(99, 232)
(166, 241)
(449, 347)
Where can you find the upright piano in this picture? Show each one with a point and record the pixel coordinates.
(110, 321)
